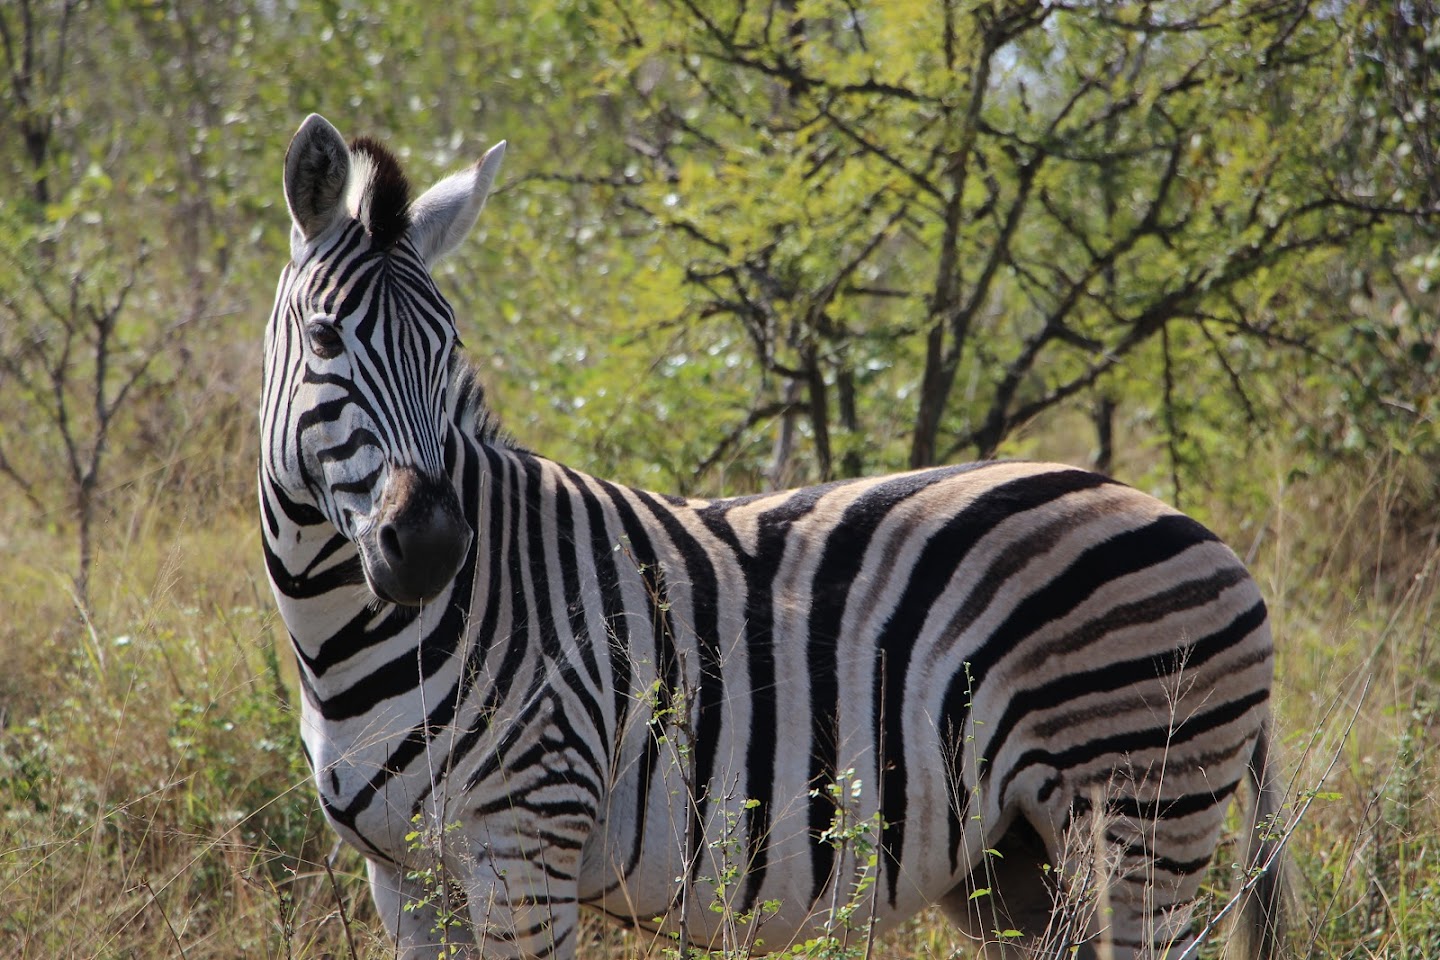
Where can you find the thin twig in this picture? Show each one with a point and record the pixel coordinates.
(145, 884)
(340, 903)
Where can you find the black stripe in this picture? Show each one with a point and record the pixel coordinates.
(1116, 676)
(666, 656)
(267, 512)
(1179, 868)
(357, 635)
(844, 554)
(1135, 741)
(328, 411)
(360, 485)
(773, 528)
(299, 514)
(604, 554)
(531, 501)
(941, 556)
(304, 585)
(568, 560)
(398, 675)
(1172, 808)
(534, 500)
(699, 575)
(359, 439)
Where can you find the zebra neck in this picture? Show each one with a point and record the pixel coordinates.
(319, 584)
(340, 630)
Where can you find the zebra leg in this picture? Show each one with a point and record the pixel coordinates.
(1080, 892)
(1145, 908)
(525, 906)
(1131, 882)
(416, 915)
(1005, 903)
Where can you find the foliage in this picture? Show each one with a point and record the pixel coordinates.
(1026, 198)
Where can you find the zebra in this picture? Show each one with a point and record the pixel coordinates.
(744, 721)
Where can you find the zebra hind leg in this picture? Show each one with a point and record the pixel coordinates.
(1005, 903)
(1129, 885)
(1080, 897)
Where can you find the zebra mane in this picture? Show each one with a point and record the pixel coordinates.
(472, 415)
(378, 194)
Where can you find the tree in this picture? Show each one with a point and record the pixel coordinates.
(1044, 202)
(89, 318)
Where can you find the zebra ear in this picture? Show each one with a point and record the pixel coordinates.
(317, 168)
(442, 215)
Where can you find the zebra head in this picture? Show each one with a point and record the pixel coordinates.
(358, 356)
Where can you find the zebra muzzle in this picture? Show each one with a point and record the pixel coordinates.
(420, 541)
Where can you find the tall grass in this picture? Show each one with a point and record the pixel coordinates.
(154, 799)
(1354, 580)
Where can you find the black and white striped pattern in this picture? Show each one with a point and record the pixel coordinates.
(646, 705)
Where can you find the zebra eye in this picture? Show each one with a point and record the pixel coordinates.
(325, 339)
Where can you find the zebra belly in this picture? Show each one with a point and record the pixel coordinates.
(720, 908)
(726, 899)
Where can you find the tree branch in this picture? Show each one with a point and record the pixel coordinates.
(763, 412)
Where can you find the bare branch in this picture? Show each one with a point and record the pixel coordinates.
(1237, 383)
(727, 443)
(885, 155)
(1167, 406)
(26, 490)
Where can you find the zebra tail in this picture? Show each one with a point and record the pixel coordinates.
(1268, 903)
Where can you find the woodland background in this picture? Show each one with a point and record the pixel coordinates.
(736, 245)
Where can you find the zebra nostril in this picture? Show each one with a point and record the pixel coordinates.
(418, 544)
(390, 544)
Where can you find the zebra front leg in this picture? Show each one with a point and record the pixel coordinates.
(418, 914)
(525, 908)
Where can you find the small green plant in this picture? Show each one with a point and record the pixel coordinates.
(739, 929)
(857, 838)
(442, 894)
